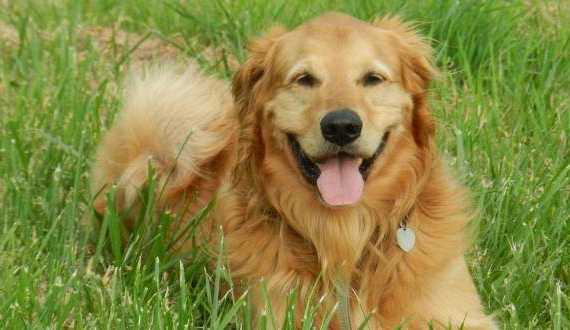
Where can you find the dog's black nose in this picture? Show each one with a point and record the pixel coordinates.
(341, 127)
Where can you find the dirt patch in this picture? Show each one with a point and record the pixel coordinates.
(220, 55)
(8, 35)
(553, 13)
(114, 43)
(146, 48)
(143, 48)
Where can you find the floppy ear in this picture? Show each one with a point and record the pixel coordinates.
(253, 69)
(415, 53)
(417, 72)
(244, 89)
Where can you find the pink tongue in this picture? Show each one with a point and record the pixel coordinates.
(340, 182)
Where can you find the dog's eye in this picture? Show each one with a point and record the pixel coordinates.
(372, 79)
(306, 80)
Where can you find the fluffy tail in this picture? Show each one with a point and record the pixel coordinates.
(179, 123)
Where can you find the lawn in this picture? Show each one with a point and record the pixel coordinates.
(502, 105)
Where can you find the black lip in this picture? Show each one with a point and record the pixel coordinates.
(311, 171)
(367, 163)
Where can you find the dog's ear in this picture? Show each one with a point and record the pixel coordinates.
(245, 89)
(255, 66)
(417, 71)
(414, 51)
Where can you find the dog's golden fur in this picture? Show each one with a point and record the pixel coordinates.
(203, 142)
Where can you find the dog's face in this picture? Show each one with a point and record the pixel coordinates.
(330, 95)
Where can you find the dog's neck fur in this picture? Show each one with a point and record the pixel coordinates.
(292, 240)
(299, 240)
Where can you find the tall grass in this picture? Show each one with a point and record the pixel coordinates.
(501, 104)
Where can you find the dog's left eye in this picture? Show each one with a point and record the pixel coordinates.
(372, 79)
(306, 80)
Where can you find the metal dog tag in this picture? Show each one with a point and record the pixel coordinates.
(406, 238)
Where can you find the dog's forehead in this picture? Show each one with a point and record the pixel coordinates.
(331, 31)
(337, 38)
(331, 19)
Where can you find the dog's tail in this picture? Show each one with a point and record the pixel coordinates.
(180, 124)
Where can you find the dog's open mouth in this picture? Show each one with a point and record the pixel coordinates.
(339, 178)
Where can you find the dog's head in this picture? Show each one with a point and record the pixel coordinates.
(329, 106)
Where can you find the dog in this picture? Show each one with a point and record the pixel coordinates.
(322, 162)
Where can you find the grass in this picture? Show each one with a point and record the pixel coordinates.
(502, 104)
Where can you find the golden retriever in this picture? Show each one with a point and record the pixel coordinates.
(323, 166)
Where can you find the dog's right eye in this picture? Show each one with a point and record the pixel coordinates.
(306, 80)
(372, 79)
